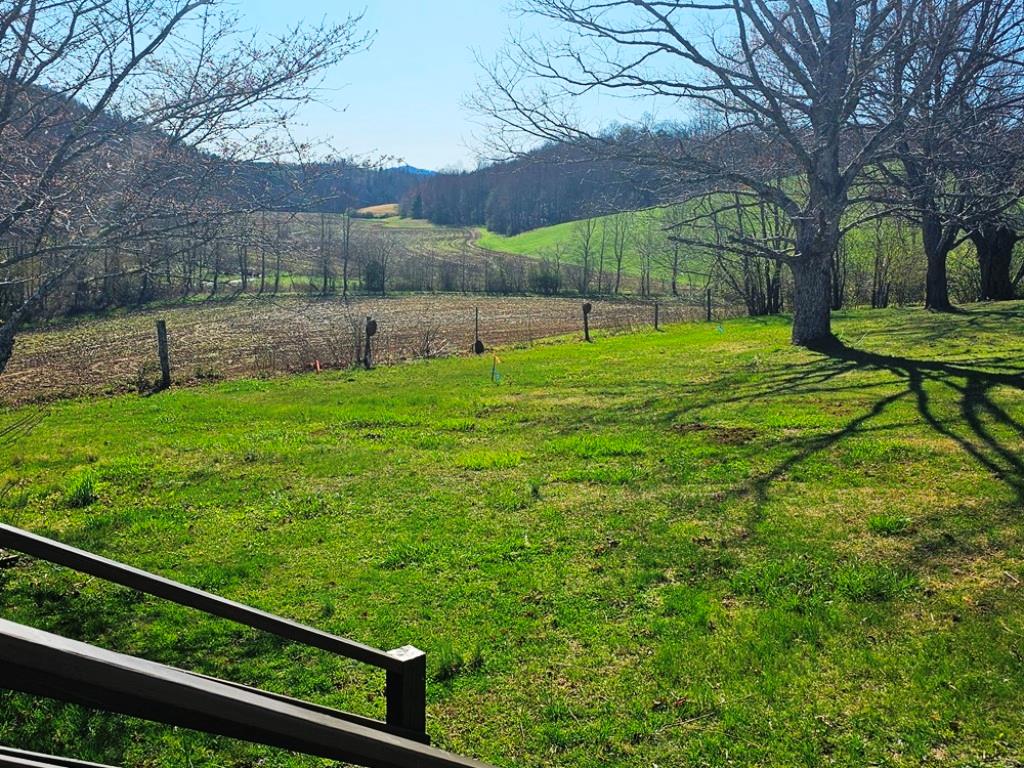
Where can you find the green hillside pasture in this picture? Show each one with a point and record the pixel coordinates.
(565, 239)
(899, 242)
(696, 547)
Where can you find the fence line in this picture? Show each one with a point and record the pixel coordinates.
(269, 337)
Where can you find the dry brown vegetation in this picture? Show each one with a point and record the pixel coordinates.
(252, 336)
(380, 211)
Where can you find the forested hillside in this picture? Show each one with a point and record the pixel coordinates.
(550, 185)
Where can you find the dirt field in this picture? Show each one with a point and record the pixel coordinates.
(266, 336)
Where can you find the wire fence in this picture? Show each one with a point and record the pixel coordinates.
(249, 337)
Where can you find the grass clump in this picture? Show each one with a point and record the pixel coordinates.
(479, 461)
(80, 491)
(447, 663)
(888, 524)
(874, 583)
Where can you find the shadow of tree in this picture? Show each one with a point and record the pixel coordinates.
(972, 388)
(980, 426)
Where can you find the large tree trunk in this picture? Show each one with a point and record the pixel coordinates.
(995, 246)
(7, 332)
(10, 327)
(812, 300)
(938, 242)
(937, 283)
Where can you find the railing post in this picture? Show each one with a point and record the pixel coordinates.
(406, 691)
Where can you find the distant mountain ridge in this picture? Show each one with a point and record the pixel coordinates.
(413, 170)
(329, 187)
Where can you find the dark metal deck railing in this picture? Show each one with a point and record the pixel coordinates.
(19, 758)
(48, 665)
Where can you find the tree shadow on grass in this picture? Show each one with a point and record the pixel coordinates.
(975, 431)
(978, 409)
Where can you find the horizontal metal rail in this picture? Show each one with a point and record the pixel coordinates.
(19, 758)
(405, 667)
(40, 663)
(17, 761)
(366, 722)
(142, 581)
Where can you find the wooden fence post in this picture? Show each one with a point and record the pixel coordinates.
(406, 691)
(709, 305)
(371, 331)
(657, 325)
(586, 320)
(164, 353)
(478, 346)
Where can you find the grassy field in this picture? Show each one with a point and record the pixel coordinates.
(698, 547)
(543, 242)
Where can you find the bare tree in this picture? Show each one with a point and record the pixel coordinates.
(380, 250)
(747, 272)
(262, 240)
(789, 90)
(585, 230)
(326, 256)
(622, 233)
(648, 244)
(280, 236)
(346, 249)
(956, 155)
(125, 122)
(675, 218)
(840, 273)
(994, 245)
(881, 285)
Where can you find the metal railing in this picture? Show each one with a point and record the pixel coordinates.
(19, 758)
(48, 665)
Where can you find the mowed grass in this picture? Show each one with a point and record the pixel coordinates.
(696, 547)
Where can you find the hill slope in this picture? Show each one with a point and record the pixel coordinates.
(698, 547)
(565, 239)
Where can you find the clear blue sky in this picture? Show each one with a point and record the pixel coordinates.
(405, 95)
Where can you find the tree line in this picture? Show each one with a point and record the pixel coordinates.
(813, 132)
(549, 185)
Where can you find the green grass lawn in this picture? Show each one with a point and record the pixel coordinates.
(542, 243)
(696, 547)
